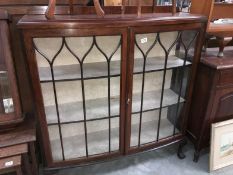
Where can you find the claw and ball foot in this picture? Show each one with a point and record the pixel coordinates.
(180, 152)
(196, 156)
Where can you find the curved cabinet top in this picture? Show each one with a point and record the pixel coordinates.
(92, 21)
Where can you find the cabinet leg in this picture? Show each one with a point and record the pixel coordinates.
(27, 167)
(180, 152)
(35, 168)
(51, 172)
(196, 156)
(19, 171)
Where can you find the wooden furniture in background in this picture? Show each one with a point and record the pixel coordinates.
(223, 32)
(50, 12)
(144, 2)
(97, 100)
(11, 159)
(213, 97)
(222, 10)
(130, 2)
(15, 165)
(216, 10)
(202, 7)
(10, 105)
(112, 3)
(21, 142)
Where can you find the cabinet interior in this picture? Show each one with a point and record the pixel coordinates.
(81, 87)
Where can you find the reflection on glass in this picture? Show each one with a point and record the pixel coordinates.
(7, 105)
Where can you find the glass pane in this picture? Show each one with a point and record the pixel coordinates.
(174, 116)
(164, 2)
(152, 91)
(6, 105)
(80, 82)
(162, 67)
(187, 44)
(150, 106)
(149, 127)
(55, 142)
(98, 136)
(73, 140)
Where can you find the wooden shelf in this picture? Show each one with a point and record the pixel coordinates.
(99, 69)
(98, 108)
(157, 64)
(98, 143)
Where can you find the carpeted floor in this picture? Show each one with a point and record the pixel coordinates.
(160, 162)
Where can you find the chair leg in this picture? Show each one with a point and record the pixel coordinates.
(222, 43)
(196, 156)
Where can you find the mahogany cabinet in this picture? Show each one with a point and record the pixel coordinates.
(213, 97)
(105, 89)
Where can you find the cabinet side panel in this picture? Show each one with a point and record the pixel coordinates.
(201, 94)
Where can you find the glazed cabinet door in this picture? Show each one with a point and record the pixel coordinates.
(160, 72)
(10, 105)
(80, 78)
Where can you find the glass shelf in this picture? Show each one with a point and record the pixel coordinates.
(72, 72)
(73, 137)
(99, 69)
(74, 144)
(98, 108)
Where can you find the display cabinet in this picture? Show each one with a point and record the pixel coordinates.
(10, 107)
(105, 89)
